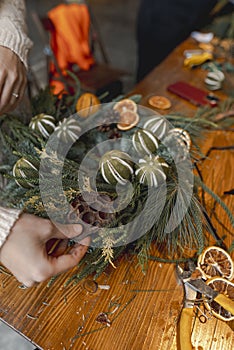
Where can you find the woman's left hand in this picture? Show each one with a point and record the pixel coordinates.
(13, 79)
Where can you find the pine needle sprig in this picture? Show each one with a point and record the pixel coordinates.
(18, 131)
(222, 115)
(217, 199)
(44, 102)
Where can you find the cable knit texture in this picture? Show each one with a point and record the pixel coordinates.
(14, 36)
(13, 33)
(7, 219)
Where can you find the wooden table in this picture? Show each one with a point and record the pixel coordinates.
(145, 308)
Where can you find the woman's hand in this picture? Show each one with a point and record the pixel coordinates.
(13, 79)
(24, 252)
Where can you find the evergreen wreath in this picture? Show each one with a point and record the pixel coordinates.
(23, 146)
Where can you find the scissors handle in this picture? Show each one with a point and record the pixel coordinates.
(225, 302)
(185, 327)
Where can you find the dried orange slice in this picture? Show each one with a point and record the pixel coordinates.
(226, 288)
(206, 47)
(87, 104)
(159, 102)
(215, 262)
(128, 119)
(125, 105)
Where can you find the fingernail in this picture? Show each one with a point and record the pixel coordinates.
(78, 228)
(79, 247)
(85, 241)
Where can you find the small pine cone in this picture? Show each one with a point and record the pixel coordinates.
(110, 116)
(104, 128)
(114, 134)
(95, 210)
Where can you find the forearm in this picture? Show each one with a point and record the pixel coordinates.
(13, 33)
(7, 219)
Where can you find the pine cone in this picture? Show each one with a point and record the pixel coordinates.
(97, 211)
(109, 117)
(114, 134)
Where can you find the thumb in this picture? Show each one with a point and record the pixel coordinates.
(67, 231)
(66, 262)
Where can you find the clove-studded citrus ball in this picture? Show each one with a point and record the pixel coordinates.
(87, 104)
(145, 142)
(178, 143)
(157, 125)
(182, 137)
(68, 130)
(214, 80)
(92, 208)
(43, 124)
(151, 171)
(116, 167)
(24, 171)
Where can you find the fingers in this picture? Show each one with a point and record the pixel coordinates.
(66, 262)
(67, 231)
(28, 251)
(13, 90)
(3, 78)
(13, 80)
(50, 266)
(63, 263)
(46, 229)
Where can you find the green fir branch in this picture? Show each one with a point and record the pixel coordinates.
(217, 198)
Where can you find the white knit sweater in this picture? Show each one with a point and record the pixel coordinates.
(13, 32)
(7, 219)
(12, 35)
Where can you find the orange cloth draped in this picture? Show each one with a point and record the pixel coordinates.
(70, 39)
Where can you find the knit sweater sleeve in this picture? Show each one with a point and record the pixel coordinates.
(13, 33)
(7, 219)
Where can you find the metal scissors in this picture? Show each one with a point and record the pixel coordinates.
(194, 283)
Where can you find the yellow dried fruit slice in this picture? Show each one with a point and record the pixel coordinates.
(215, 262)
(128, 120)
(125, 105)
(159, 102)
(87, 104)
(226, 288)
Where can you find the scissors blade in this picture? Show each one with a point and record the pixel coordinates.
(190, 296)
(200, 286)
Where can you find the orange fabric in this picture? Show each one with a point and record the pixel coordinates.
(70, 39)
(57, 86)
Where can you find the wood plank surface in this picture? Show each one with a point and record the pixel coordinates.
(143, 309)
(169, 72)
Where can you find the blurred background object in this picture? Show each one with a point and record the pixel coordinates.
(116, 21)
